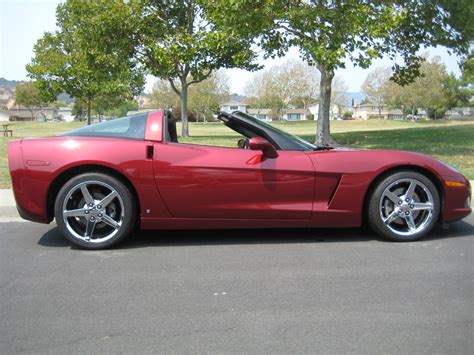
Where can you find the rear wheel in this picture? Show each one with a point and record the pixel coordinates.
(404, 206)
(95, 211)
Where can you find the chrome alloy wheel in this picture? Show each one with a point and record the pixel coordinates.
(93, 211)
(406, 207)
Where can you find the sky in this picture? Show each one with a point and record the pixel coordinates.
(23, 22)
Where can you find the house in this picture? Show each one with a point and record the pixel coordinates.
(368, 110)
(20, 113)
(460, 113)
(294, 114)
(144, 101)
(264, 114)
(232, 106)
(65, 114)
(334, 111)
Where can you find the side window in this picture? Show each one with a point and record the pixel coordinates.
(125, 127)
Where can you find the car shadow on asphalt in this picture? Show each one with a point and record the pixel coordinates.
(163, 238)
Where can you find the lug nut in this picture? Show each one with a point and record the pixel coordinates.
(91, 204)
(86, 211)
(99, 215)
(99, 207)
(400, 202)
(407, 213)
(412, 206)
(92, 219)
(407, 200)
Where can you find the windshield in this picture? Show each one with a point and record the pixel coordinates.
(298, 140)
(132, 127)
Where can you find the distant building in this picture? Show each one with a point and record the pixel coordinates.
(334, 111)
(144, 101)
(460, 113)
(295, 114)
(264, 114)
(20, 113)
(232, 106)
(367, 111)
(65, 114)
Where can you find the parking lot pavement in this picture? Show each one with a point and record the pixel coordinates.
(284, 291)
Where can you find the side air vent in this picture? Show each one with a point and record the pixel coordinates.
(149, 151)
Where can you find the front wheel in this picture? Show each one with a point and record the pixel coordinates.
(404, 206)
(95, 211)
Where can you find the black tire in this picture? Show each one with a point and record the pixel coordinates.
(79, 220)
(394, 216)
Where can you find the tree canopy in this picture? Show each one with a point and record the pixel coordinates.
(27, 94)
(175, 41)
(327, 32)
(89, 56)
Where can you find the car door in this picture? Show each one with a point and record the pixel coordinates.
(226, 183)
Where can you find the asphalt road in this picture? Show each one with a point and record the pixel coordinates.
(237, 291)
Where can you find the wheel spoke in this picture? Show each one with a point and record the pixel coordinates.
(393, 216)
(89, 230)
(74, 213)
(111, 222)
(410, 190)
(107, 199)
(418, 206)
(411, 223)
(87, 196)
(392, 197)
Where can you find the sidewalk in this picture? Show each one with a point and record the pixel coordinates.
(7, 204)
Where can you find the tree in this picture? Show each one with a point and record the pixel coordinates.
(375, 86)
(162, 95)
(89, 56)
(121, 108)
(435, 90)
(327, 32)
(26, 94)
(176, 42)
(206, 96)
(293, 82)
(339, 96)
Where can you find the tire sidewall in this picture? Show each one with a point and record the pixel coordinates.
(128, 202)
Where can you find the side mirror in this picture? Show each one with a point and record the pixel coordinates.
(259, 143)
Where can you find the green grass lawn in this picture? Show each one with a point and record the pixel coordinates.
(450, 141)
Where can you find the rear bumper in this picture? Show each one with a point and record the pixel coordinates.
(30, 194)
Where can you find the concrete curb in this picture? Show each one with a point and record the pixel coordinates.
(8, 205)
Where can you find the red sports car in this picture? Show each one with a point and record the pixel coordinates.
(101, 181)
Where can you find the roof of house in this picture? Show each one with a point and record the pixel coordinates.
(17, 113)
(295, 110)
(259, 111)
(233, 103)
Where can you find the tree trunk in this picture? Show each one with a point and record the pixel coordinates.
(32, 112)
(88, 112)
(413, 113)
(184, 109)
(323, 137)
